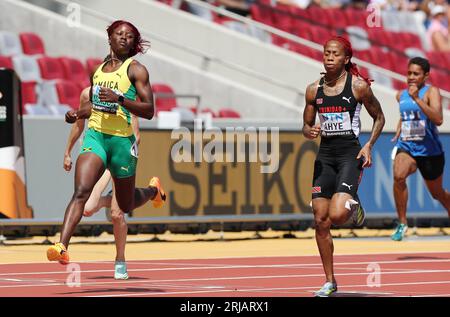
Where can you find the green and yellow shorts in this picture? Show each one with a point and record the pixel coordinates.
(119, 154)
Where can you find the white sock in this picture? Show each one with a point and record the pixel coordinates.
(349, 203)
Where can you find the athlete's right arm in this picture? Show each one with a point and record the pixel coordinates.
(310, 130)
(74, 135)
(76, 130)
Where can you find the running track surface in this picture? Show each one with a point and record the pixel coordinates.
(404, 274)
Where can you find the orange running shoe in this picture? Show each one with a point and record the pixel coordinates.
(160, 198)
(58, 252)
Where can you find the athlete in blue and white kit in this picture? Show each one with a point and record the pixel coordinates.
(418, 145)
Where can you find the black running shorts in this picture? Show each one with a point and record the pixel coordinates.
(337, 170)
(431, 167)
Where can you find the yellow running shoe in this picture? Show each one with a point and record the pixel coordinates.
(160, 198)
(58, 252)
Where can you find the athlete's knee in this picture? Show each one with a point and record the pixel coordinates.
(322, 224)
(117, 216)
(82, 193)
(338, 216)
(399, 180)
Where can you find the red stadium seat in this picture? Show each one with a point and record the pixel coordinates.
(32, 44)
(408, 40)
(298, 12)
(92, 64)
(321, 34)
(400, 62)
(381, 58)
(317, 14)
(204, 110)
(29, 95)
(280, 41)
(282, 18)
(379, 37)
(357, 17)
(363, 55)
(50, 68)
(441, 59)
(302, 29)
(6, 62)
(68, 93)
(164, 103)
(399, 85)
(262, 14)
(228, 113)
(74, 71)
(439, 79)
(335, 18)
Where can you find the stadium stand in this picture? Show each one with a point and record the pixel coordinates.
(399, 36)
(52, 85)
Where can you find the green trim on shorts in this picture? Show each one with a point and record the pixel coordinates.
(119, 154)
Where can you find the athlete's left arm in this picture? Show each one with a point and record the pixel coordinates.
(138, 75)
(431, 105)
(368, 99)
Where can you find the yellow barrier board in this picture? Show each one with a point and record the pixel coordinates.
(229, 187)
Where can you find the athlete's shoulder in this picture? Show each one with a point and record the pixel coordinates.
(433, 90)
(359, 84)
(360, 88)
(311, 89)
(137, 70)
(137, 65)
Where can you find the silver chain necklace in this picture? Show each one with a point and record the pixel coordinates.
(330, 81)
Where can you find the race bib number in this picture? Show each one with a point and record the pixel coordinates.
(337, 123)
(134, 150)
(108, 107)
(413, 130)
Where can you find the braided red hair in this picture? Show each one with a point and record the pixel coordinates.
(350, 67)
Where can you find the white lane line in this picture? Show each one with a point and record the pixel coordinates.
(265, 289)
(231, 278)
(226, 267)
(253, 257)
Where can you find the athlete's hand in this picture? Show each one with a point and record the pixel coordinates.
(366, 152)
(107, 95)
(67, 162)
(413, 91)
(71, 116)
(395, 138)
(314, 132)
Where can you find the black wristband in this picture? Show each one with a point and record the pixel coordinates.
(121, 100)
